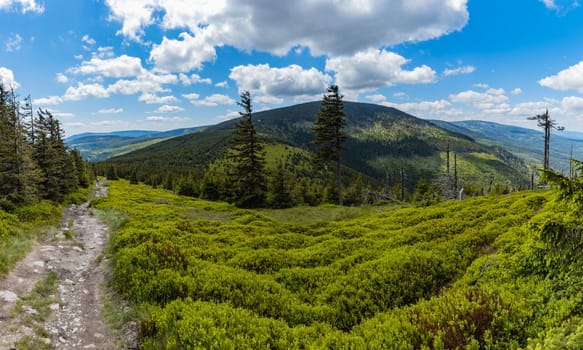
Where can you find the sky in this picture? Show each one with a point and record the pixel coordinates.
(104, 65)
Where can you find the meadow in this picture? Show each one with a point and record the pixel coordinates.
(472, 274)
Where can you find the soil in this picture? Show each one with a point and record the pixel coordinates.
(74, 253)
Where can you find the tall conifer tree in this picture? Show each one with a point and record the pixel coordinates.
(328, 132)
(248, 156)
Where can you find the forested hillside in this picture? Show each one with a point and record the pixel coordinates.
(525, 143)
(388, 148)
(494, 272)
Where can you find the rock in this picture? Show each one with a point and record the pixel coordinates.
(8, 296)
(54, 307)
(39, 263)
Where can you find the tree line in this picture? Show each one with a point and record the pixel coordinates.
(35, 164)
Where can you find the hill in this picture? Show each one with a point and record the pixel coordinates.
(483, 273)
(381, 142)
(100, 146)
(525, 143)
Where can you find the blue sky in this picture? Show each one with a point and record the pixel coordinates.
(102, 65)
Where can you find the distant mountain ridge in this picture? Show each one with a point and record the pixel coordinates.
(525, 143)
(100, 146)
(382, 142)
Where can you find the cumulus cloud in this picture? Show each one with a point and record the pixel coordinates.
(150, 98)
(193, 79)
(222, 84)
(62, 78)
(290, 24)
(372, 69)
(561, 5)
(118, 67)
(46, 101)
(459, 70)
(157, 118)
(291, 81)
(88, 40)
(572, 104)
(7, 78)
(491, 96)
(211, 101)
(182, 55)
(13, 42)
(23, 6)
(84, 91)
(169, 109)
(568, 79)
(516, 91)
(110, 111)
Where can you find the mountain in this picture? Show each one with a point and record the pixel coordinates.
(382, 141)
(100, 146)
(525, 143)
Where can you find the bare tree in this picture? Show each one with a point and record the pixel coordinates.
(545, 122)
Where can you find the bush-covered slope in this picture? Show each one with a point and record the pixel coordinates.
(461, 274)
(381, 142)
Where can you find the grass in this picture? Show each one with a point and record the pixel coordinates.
(324, 213)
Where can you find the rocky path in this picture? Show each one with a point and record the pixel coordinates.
(74, 254)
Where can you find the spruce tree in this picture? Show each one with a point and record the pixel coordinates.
(248, 158)
(19, 175)
(328, 133)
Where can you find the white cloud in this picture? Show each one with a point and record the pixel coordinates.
(46, 101)
(104, 52)
(372, 69)
(122, 66)
(568, 79)
(60, 114)
(459, 70)
(169, 109)
(572, 104)
(491, 96)
(88, 40)
(7, 78)
(426, 109)
(280, 26)
(230, 114)
(191, 96)
(13, 42)
(156, 118)
(193, 79)
(182, 55)
(222, 84)
(376, 98)
(83, 91)
(110, 111)
(291, 81)
(267, 100)
(62, 78)
(23, 5)
(516, 91)
(149, 98)
(560, 5)
(213, 101)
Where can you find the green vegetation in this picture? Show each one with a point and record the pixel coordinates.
(386, 153)
(480, 273)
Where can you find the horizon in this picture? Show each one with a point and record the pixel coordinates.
(110, 65)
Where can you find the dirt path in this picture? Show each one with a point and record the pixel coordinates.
(74, 254)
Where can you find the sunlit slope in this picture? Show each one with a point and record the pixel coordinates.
(457, 274)
(381, 142)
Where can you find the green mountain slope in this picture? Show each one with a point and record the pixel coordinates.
(525, 143)
(381, 142)
(100, 146)
(483, 273)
